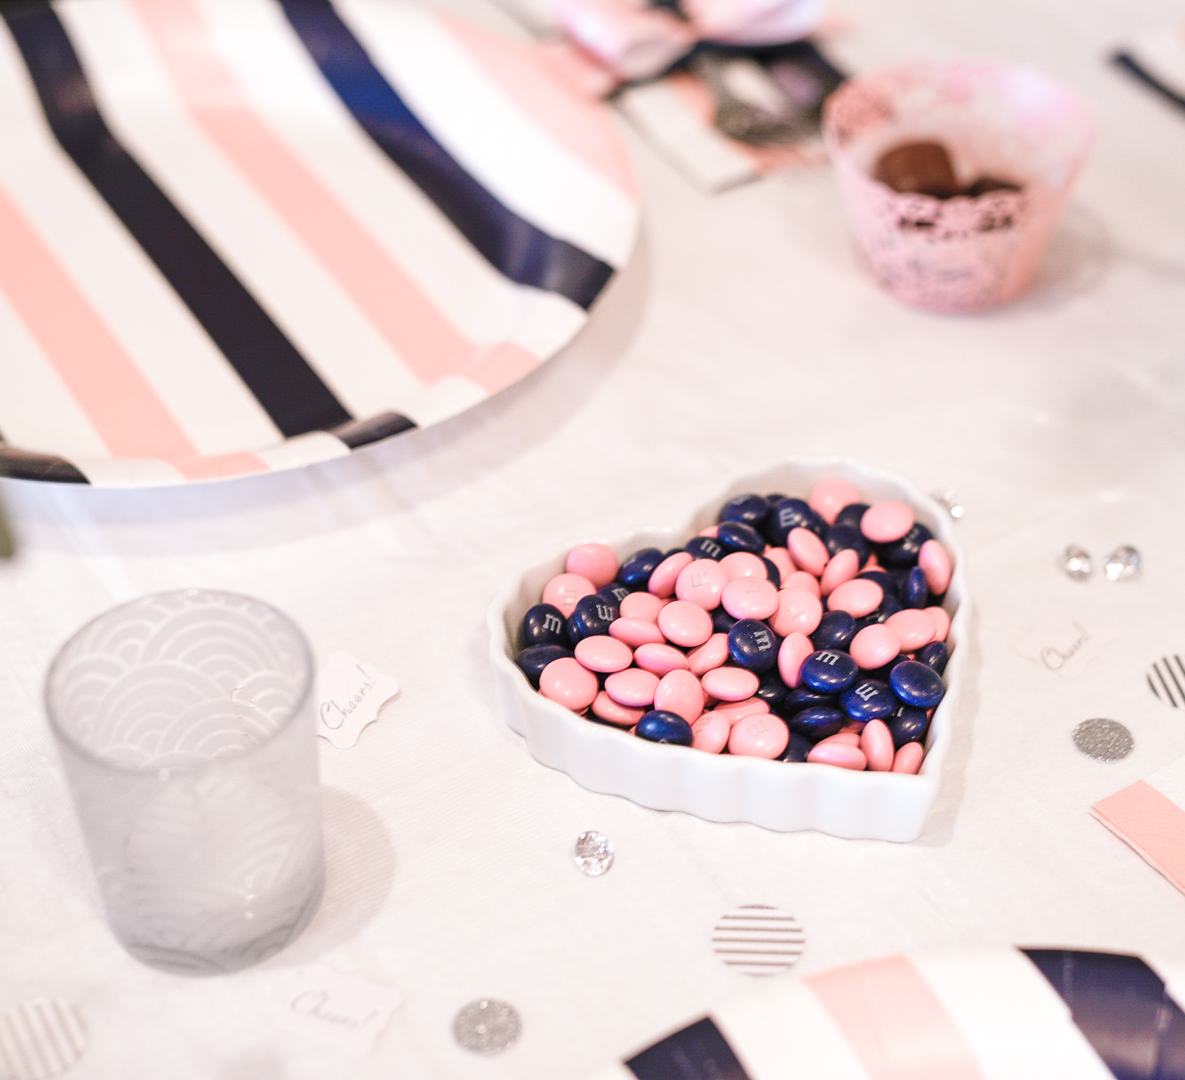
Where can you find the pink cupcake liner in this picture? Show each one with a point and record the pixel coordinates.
(960, 254)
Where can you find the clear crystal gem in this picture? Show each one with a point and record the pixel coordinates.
(950, 500)
(594, 853)
(487, 1026)
(1122, 563)
(1076, 563)
(1103, 740)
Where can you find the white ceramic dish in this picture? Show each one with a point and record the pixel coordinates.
(775, 795)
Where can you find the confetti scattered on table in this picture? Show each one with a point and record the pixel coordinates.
(1076, 563)
(487, 1026)
(1103, 740)
(757, 939)
(594, 853)
(40, 1039)
(1122, 564)
(1166, 680)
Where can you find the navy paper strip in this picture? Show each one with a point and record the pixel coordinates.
(1122, 1008)
(363, 432)
(698, 1052)
(280, 378)
(23, 465)
(1133, 67)
(520, 250)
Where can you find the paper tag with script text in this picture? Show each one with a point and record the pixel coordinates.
(1063, 644)
(348, 1012)
(349, 696)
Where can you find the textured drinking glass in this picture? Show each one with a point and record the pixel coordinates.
(184, 722)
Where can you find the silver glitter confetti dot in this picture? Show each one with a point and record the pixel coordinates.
(1122, 564)
(1076, 563)
(756, 939)
(1103, 740)
(594, 853)
(487, 1026)
(40, 1039)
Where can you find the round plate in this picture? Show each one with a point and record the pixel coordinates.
(246, 235)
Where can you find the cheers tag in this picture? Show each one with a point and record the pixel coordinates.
(1064, 644)
(349, 696)
(347, 1012)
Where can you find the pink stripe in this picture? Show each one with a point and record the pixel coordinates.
(220, 467)
(1151, 823)
(429, 344)
(581, 126)
(116, 397)
(501, 365)
(895, 1024)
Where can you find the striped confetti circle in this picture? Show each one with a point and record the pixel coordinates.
(40, 1039)
(757, 939)
(1166, 679)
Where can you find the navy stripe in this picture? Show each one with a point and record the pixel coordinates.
(697, 1052)
(1133, 67)
(520, 250)
(1122, 1008)
(280, 378)
(364, 432)
(23, 465)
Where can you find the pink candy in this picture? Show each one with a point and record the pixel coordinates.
(666, 573)
(596, 562)
(564, 590)
(685, 623)
(798, 610)
(749, 598)
(758, 735)
(603, 653)
(807, 550)
(885, 522)
(858, 597)
(730, 683)
(701, 582)
(874, 646)
(828, 497)
(567, 683)
(680, 692)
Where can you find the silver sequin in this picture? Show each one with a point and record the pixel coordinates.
(1076, 563)
(594, 853)
(487, 1026)
(1122, 564)
(1103, 740)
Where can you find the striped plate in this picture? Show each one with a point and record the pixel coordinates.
(245, 235)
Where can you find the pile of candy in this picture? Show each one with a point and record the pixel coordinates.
(796, 630)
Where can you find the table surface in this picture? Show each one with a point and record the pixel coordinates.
(744, 331)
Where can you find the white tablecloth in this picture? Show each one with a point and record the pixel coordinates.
(744, 331)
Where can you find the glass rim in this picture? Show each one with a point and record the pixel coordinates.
(65, 737)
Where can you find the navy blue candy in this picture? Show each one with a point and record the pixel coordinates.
(773, 573)
(829, 671)
(880, 577)
(890, 605)
(913, 591)
(934, 655)
(916, 684)
(868, 699)
(803, 697)
(658, 725)
(796, 749)
(753, 645)
(614, 591)
(544, 625)
(840, 537)
(773, 691)
(835, 631)
(817, 722)
(750, 509)
(722, 622)
(787, 514)
(533, 659)
(904, 552)
(907, 724)
(591, 616)
(636, 570)
(737, 536)
(851, 514)
(704, 547)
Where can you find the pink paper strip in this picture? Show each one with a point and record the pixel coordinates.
(894, 1022)
(429, 344)
(1151, 824)
(115, 395)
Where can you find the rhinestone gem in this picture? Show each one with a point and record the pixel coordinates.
(594, 853)
(487, 1026)
(1076, 563)
(1103, 740)
(1123, 563)
(950, 500)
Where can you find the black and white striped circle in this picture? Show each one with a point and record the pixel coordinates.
(1166, 679)
(756, 939)
(40, 1039)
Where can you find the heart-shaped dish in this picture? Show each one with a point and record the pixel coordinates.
(773, 794)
